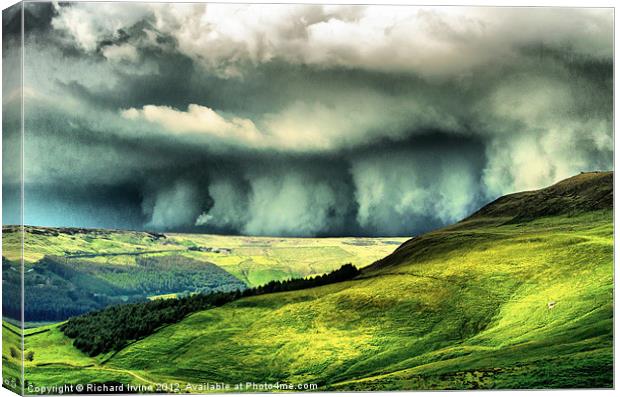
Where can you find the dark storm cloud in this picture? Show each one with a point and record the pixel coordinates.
(11, 115)
(85, 205)
(306, 120)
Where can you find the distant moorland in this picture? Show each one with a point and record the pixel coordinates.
(69, 271)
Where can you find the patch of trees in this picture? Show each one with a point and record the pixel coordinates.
(113, 328)
(57, 288)
(11, 290)
(55, 291)
(156, 275)
(345, 272)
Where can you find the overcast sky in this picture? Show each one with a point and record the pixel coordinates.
(303, 120)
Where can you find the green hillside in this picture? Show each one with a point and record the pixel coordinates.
(504, 299)
(11, 356)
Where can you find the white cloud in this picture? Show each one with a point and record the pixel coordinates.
(536, 107)
(344, 121)
(123, 52)
(198, 120)
(431, 41)
(336, 122)
(89, 23)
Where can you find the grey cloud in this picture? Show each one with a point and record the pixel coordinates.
(433, 181)
(173, 206)
(297, 202)
(230, 199)
(280, 127)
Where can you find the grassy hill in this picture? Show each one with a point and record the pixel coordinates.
(512, 297)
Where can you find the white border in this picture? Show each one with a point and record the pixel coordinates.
(553, 3)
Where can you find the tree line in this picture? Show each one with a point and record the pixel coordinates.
(114, 327)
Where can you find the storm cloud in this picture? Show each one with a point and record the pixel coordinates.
(304, 120)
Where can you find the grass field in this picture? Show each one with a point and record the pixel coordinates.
(483, 305)
(258, 260)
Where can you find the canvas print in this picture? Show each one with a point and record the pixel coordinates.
(230, 198)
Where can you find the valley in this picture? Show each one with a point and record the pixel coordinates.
(69, 271)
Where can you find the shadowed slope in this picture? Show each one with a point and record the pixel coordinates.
(588, 191)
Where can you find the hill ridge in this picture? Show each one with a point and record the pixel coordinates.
(584, 192)
(587, 191)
